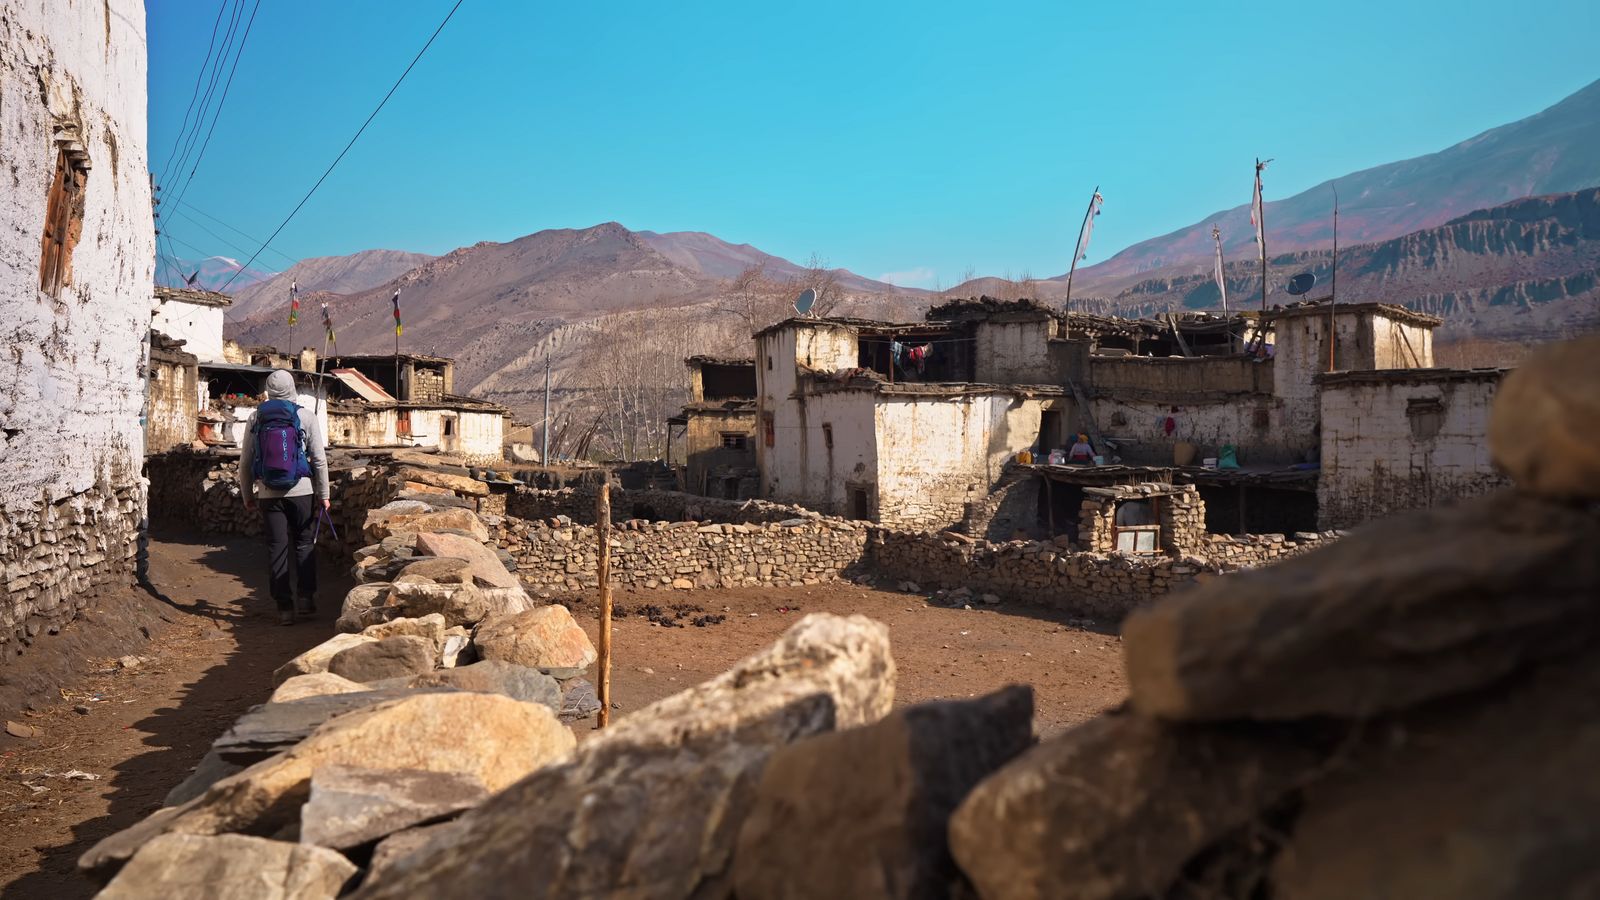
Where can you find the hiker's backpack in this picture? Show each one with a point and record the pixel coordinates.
(280, 445)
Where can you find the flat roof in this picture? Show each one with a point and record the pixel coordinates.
(705, 360)
(1388, 310)
(388, 357)
(193, 296)
(1408, 376)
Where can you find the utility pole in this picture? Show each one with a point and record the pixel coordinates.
(544, 450)
(1333, 298)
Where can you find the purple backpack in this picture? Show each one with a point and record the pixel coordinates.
(280, 446)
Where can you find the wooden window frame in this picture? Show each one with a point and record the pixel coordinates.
(63, 220)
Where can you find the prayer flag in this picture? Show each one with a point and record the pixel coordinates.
(294, 303)
(327, 322)
(396, 301)
(1088, 226)
(1222, 284)
(1256, 220)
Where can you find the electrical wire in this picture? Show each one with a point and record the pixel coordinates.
(359, 131)
(251, 238)
(211, 89)
(199, 76)
(220, 103)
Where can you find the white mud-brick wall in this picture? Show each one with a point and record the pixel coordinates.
(72, 89)
(198, 325)
(789, 436)
(938, 455)
(1391, 444)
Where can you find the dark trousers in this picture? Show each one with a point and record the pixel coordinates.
(291, 523)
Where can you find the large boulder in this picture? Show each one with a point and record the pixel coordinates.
(487, 569)
(362, 597)
(430, 627)
(317, 658)
(495, 676)
(459, 604)
(543, 636)
(230, 867)
(875, 802)
(494, 739)
(651, 806)
(462, 520)
(1491, 797)
(1405, 610)
(351, 806)
(1116, 807)
(461, 484)
(1544, 430)
(391, 657)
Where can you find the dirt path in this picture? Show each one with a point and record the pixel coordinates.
(142, 729)
(1075, 669)
(136, 732)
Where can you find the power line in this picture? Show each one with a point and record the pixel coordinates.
(198, 77)
(211, 88)
(219, 237)
(252, 239)
(353, 140)
(222, 102)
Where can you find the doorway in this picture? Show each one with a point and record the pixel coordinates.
(860, 509)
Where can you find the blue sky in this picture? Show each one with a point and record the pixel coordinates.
(911, 138)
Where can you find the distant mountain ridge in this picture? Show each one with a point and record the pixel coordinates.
(335, 274)
(1550, 152)
(213, 273)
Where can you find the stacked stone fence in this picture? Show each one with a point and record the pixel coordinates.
(578, 504)
(686, 555)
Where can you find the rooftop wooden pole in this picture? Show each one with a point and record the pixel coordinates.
(602, 530)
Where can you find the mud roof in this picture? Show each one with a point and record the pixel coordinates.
(1388, 310)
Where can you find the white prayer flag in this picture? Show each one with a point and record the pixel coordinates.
(1088, 226)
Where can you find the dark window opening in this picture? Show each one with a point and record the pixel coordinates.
(769, 430)
(723, 382)
(1059, 506)
(733, 440)
(1426, 415)
(1236, 509)
(1049, 430)
(947, 355)
(63, 220)
(402, 423)
(827, 435)
(860, 510)
(449, 426)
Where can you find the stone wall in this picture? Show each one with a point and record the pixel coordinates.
(172, 402)
(200, 491)
(684, 555)
(578, 504)
(1051, 574)
(1403, 439)
(72, 152)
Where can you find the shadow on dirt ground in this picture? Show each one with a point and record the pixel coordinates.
(131, 733)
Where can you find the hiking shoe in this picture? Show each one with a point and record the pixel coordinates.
(285, 617)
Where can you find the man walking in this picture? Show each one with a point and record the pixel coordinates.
(283, 462)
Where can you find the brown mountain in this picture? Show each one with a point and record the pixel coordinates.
(336, 274)
(1546, 153)
(1525, 269)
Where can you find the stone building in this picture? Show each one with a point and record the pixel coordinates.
(194, 317)
(719, 428)
(851, 422)
(406, 377)
(172, 396)
(364, 414)
(78, 245)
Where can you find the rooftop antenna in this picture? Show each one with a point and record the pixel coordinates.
(1333, 294)
(806, 300)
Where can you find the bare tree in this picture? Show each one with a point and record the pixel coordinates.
(825, 282)
(753, 297)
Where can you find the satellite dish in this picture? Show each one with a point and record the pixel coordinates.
(1302, 283)
(806, 300)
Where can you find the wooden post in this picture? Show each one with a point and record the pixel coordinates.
(602, 530)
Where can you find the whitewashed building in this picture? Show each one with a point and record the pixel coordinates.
(77, 258)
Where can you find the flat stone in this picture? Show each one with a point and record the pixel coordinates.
(494, 676)
(494, 739)
(1116, 807)
(317, 658)
(274, 727)
(460, 521)
(650, 806)
(351, 806)
(439, 570)
(438, 500)
(317, 684)
(461, 484)
(578, 700)
(390, 657)
(361, 598)
(231, 866)
(430, 628)
(1544, 430)
(398, 847)
(1405, 610)
(543, 636)
(486, 566)
(875, 801)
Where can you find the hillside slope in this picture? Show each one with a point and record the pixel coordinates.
(337, 274)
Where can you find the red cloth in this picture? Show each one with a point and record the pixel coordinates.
(1170, 425)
